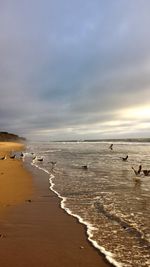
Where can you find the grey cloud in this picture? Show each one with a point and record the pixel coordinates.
(72, 63)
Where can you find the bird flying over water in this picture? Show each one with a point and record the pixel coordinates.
(137, 172)
(146, 172)
(111, 147)
(124, 159)
(85, 167)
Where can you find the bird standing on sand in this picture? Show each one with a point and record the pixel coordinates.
(124, 159)
(111, 147)
(3, 158)
(21, 155)
(139, 170)
(12, 157)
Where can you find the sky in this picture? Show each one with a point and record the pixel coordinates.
(72, 69)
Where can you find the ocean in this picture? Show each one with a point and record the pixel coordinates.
(107, 197)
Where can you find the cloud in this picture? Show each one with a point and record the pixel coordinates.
(69, 69)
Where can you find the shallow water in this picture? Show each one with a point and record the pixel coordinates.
(107, 197)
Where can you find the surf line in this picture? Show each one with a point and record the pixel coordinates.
(108, 255)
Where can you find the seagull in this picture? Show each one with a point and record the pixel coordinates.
(3, 158)
(111, 147)
(53, 162)
(146, 172)
(40, 159)
(139, 170)
(85, 167)
(12, 157)
(124, 159)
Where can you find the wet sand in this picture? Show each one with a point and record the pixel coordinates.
(34, 230)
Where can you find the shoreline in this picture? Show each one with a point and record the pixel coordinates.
(74, 220)
(38, 232)
(88, 227)
(101, 251)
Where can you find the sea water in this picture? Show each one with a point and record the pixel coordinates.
(107, 197)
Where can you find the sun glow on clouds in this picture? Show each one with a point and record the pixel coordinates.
(81, 75)
(137, 113)
(123, 123)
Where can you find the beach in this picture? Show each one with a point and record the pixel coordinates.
(34, 230)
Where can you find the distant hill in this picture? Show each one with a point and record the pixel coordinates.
(5, 136)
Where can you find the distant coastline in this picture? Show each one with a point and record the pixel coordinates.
(140, 140)
(5, 136)
(120, 140)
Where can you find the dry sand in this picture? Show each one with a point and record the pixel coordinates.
(38, 233)
(15, 181)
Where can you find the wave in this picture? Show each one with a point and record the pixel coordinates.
(130, 227)
(52, 150)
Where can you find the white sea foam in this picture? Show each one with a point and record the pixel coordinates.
(109, 256)
(40, 168)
